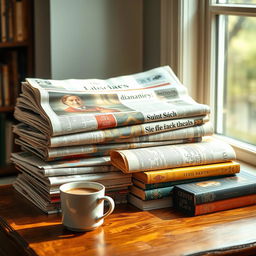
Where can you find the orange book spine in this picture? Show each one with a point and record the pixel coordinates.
(226, 204)
(191, 172)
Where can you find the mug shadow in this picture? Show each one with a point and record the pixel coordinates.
(53, 233)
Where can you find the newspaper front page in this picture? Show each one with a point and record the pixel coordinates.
(155, 158)
(58, 107)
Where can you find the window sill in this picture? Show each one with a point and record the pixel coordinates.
(245, 153)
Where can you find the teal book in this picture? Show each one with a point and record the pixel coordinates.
(151, 194)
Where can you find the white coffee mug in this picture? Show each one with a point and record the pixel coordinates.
(82, 205)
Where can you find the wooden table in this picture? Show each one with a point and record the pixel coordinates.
(25, 230)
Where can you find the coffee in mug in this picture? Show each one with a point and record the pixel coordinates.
(82, 205)
(81, 191)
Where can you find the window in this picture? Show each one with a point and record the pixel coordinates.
(212, 49)
(232, 25)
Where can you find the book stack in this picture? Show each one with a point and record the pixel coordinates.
(68, 126)
(202, 197)
(157, 171)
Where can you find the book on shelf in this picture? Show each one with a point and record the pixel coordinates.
(9, 78)
(14, 27)
(9, 140)
(187, 173)
(188, 196)
(20, 22)
(151, 194)
(3, 12)
(6, 85)
(2, 140)
(12, 60)
(147, 205)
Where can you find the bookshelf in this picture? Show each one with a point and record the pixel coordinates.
(16, 63)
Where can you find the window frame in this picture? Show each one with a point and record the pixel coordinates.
(188, 36)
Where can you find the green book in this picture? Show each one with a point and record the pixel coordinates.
(151, 194)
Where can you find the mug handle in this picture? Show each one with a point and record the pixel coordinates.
(111, 207)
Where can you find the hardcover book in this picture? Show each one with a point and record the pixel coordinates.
(225, 204)
(150, 204)
(186, 173)
(151, 194)
(145, 186)
(188, 196)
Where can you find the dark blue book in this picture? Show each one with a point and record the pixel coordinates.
(186, 196)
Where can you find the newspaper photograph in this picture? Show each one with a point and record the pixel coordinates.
(155, 158)
(59, 107)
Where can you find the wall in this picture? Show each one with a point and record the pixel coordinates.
(42, 38)
(151, 34)
(92, 38)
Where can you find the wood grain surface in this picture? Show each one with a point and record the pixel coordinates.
(127, 231)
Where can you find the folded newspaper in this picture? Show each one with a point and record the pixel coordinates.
(58, 168)
(85, 151)
(61, 107)
(155, 158)
(119, 134)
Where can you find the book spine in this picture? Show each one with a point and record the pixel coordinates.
(191, 173)
(158, 185)
(3, 21)
(158, 193)
(6, 85)
(2, 140)
(182, 205)
(225, 204)
(19, 16)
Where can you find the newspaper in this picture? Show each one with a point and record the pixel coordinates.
(58, 107)
(108, 178)
(51, 203)
(154, 158)
(42, 172)
(35, 138)
(81, 162)
(205, 129)
(49, 154)
(35, 198)
(108, 135)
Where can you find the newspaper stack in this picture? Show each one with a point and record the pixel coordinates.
(86, 119)
(39, 181)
